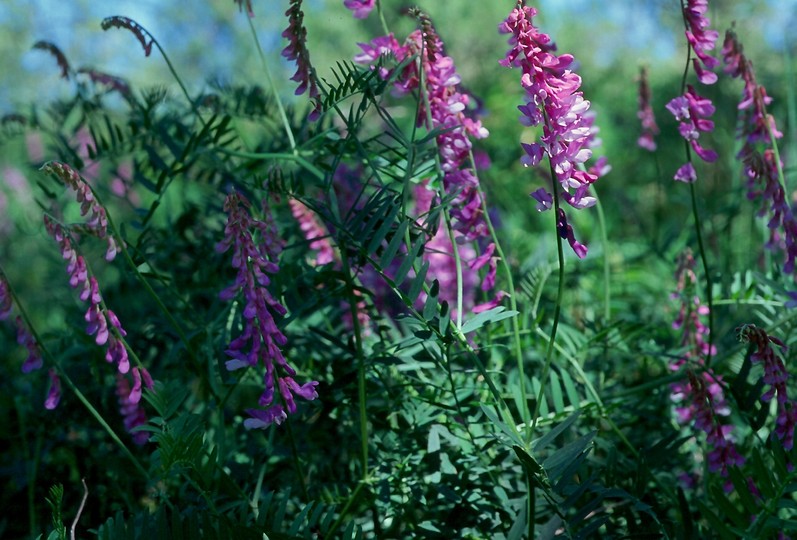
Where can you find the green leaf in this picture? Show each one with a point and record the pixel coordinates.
(541, 443)
(480, 319)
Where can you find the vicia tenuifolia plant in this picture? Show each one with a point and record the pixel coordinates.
(330, 293)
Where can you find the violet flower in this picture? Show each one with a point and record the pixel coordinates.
(34, 360)
(6, 303)
(554, 100)
(701, 40)
(54, 393)
(645, 114)
(261, 339)
(360, 8)
(97, 224)
(133, 414)
(97, 315)
(775, 378)
(297, 51)
(691, 110)
(761, 166)
(700, 398)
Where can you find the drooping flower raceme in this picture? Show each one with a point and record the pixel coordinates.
(700, 397)
(759, 133)
(255, 247)
(645, 114)
(101, 322)
(444, 106)
(553, 100)
(297, 51)
(97, 218)
(130, 408)
(775, 378)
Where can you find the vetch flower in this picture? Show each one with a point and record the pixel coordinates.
(314, 232)
(63, 63)
(90, 208)
(97, 315)
(139, 31)
(761, 166)
(775, 378)
(701, 39)
(6, 303)
(360, 8)
(255, 249)
(54, 393)
(553, 100)
(133, 414)
(34, 360)
(297, 51)
(645, 114)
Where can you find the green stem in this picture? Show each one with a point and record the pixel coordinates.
(315, 171)
(361, 393)
(518, 349)
(178, 79)
(284, 117)
(457, 264)
(607, 292)
(709, 284)
(557, 307)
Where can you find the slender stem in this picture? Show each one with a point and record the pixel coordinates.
(607, 291)
(178, 79)
(297, 463)
(557, 307)
(315, 171)
(709, 285)
(518, 349)
(254, 504)
(280, 108)
(381, 14)
(457, 264)
(361, 393)
(80, 509)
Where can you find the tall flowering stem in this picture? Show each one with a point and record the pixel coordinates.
(553, 99)
(700, 398)
(759, 153)
(297, 51)
(693, 113)
(255, 249)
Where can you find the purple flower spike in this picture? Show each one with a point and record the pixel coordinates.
(554, 100)
(297, 51)
(645, 114)
(139, 31)
(256, 248)
(54, 394)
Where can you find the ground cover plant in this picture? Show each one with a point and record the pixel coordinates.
(400, 303)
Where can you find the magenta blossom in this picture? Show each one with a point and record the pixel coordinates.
(701, 40)
(693, 113)
(255, 249)
(360, 8)
(775, 378)
(54, 393)
(297, 51)
(553, 100)
(645, 114)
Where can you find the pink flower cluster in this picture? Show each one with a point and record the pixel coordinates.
(360, 8)
(447, 110)
(97, 223)
(296, 51)
(691, 110)
(314, 232)
(130, 408)
(97, 316)
(34, 360)
(775, 377)
(553, 100)
(645, 114)
(759, 133)
(701, 398)
(261, 339)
